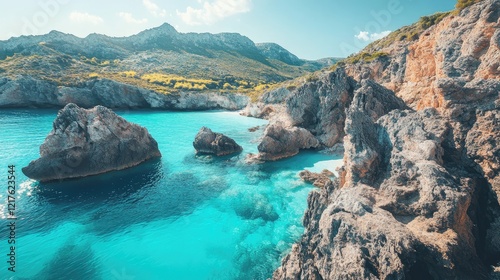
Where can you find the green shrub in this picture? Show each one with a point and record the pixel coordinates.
(311, 78)
(462, 4)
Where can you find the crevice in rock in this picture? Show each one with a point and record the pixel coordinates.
(420, 271)
(483, 211)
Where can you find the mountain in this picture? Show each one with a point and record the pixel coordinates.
(418, 117)
(159, 59)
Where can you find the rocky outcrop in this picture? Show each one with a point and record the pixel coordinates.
(280, 142)
(213, 143)
(454, 67)
(418, 195)
(319, 106)
(26, 91)
(319, 180)
(89, 142)
(400, 210)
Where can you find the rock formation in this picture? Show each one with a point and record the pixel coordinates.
(319, 180)
(418, 196)
(400, 209)
(27, 91)
(209, 142)
(454, 67)
(281, 142)
(89, 142)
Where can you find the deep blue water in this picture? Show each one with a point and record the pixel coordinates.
(181, 217)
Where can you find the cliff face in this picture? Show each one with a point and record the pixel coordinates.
(418, 196)
(29, 92)
(454, 67)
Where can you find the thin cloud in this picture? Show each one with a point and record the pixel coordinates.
(85, 18)
(212, 12)
(130, 19)
(367, 37)
(153, 8)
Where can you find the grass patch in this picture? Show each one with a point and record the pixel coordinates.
(462, 4)
(408, 33)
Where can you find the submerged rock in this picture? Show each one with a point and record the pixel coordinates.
(255, 206)
(89, 142)
(319, 180)
(209, 142)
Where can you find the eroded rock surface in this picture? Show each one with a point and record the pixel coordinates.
(400, 212)
(89, 142)
(209, 142)
(280, 142)
(454, 66)
(319, 180)
(26, 91)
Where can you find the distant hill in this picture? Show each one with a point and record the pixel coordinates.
(160, 59)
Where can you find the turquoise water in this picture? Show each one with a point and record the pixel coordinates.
(181, 217)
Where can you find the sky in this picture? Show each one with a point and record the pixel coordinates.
(309, 29)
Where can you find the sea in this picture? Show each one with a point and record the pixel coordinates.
(179, 217)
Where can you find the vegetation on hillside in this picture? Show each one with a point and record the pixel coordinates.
(164, 72)
(405, 34)
(462, 4)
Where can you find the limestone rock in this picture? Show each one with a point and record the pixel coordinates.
(416, 196)
(319, 106)
(454, 66)
(89, 142)
(209, 142)
(319, 180)
(26, 91)
(405, 218)
(281, 142)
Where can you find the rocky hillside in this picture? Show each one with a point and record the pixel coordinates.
(453, 66)
(418, 116)
(159, 59)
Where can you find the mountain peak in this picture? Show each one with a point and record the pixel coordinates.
(165, 28)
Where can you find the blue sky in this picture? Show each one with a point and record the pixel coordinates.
(310, 29)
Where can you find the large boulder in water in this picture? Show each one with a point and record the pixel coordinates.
(213, 143)
(87, 142)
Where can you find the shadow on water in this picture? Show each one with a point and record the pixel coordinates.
(178, 194)
(75, 199)
(71, 262)
(110, 202)
(107, 187)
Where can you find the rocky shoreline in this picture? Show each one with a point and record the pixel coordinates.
(418, 196)
(28, 92)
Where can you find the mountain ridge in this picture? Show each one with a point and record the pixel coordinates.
(158, 59)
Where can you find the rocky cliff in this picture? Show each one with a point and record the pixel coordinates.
(454, 67)
(418, 195)
(27, 91)
(89, 142)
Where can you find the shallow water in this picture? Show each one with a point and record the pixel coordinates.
(180, 217)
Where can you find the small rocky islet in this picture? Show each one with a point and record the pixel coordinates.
(213, 143)
(86, 142)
